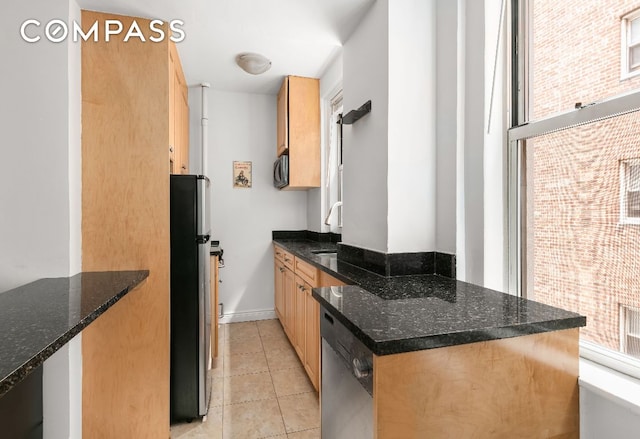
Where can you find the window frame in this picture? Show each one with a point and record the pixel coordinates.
(625, 310)
(624, 218)
(628, 71)
(521, 129)
(334, 102)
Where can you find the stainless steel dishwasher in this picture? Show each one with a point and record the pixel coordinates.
(347, 382)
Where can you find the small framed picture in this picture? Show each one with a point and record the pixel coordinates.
(242, 175)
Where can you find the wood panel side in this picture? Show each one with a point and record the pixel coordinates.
(326, 280)
(524, 387)
(125, 226)
(282, 137)
(304, 132)
(214, 307)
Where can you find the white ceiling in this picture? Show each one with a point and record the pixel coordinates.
(300, 37)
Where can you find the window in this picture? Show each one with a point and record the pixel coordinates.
(630, 331)
(334, 164)
(631, 44)
(586, 70)
(630, 191)
(575, 174)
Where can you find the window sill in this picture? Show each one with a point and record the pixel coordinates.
(614, 386)
(629, 75)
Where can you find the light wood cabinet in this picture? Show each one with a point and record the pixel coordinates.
(300, 318)
(289, 285)
(125, 135)
(214, 308)
(519, 387)
(298, 130)
(283, 118)
(312, 339)
(278, 276)
(296, 308)
(179, 115)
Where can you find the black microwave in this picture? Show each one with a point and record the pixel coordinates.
(281, 171)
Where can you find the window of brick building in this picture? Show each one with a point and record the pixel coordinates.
(630, 191)
(631, 44)
(587, 70)
(574, 171)
(630, 330)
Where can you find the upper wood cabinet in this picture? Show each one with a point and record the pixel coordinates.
(178, 115)
(298, 130)
(283, 118)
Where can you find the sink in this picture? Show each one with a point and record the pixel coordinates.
(324, 252)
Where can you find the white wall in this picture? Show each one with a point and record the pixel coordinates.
(411, 182)
(446, 130)
(365, 158)
(242, 127)
(34, 120)
(40, 188)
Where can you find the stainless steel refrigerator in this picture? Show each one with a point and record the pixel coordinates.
(190, 296)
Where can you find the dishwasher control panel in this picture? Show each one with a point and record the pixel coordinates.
(355, 356)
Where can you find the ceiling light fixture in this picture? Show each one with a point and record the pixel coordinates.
(253, 63)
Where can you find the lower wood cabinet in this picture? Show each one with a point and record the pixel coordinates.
(214, 308)
(312, 339)
(289, 304)
(278, 276)
(300, 318)
(296, 308)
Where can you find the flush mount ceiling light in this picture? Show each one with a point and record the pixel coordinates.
(253, 63)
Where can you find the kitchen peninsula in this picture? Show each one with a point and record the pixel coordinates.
(452, 359)
(38, 319)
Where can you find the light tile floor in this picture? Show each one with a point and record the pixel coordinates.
(259, 389)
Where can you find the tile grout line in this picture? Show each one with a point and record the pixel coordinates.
(284, 425)
(262, 337)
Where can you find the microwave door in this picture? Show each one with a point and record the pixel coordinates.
(277, 173)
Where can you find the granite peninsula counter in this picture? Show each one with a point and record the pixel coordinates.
(408, 313)
(39, 318)
(449, 359)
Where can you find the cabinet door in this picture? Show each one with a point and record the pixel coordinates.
(283, 118)
(300, 320)
(312, 338)
(278, 276)
(289, 304)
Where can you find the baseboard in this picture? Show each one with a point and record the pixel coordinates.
(235, 317)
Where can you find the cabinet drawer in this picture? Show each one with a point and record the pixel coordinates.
(278, 252)
(307, 272)
(283, 255)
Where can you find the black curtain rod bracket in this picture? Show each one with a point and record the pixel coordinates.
(354, 115)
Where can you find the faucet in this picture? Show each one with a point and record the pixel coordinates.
(336, 204)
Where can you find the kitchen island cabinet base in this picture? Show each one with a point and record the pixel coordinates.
(524, 387)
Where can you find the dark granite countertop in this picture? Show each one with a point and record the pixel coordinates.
(39, 318)
(408, 313)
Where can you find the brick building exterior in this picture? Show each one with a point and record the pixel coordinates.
(580, 257)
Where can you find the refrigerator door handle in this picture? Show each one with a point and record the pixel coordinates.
(203, 206)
